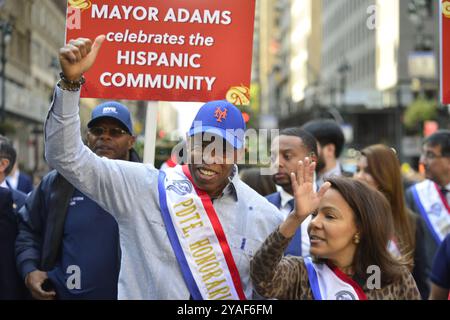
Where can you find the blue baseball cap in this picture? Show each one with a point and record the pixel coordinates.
(220, 118)
(114, 110)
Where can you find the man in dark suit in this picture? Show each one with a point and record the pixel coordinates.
(7, 160)
(11, 286)
(291, 146)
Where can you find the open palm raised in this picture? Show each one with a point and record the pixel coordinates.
(306, 198)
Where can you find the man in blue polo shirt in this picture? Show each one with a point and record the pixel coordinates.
(68, 246)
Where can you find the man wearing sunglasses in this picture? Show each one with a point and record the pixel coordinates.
(68, 246)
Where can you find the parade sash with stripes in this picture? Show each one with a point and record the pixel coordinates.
(197, 238)
(171, 162)
(329, 283)
(433, 207)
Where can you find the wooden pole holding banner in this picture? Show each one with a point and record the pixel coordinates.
(150, 132)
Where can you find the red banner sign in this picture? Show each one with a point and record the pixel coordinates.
(167, 50)
(445, 51)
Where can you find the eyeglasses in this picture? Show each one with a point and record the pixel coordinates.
(113, 132)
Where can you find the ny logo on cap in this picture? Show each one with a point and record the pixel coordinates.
(219, 114)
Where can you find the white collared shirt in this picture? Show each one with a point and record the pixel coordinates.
(13, 179)
(285, 209)
(4, 184)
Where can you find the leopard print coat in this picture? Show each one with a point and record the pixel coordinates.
(286, 278)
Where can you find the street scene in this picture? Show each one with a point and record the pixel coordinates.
(225, 150)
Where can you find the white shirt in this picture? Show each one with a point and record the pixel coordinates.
(13, 179)
(285, 208)
(4, 184)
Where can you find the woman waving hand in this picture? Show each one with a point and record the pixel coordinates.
(349, 232)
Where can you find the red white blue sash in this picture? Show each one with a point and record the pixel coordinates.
(329, 283)
(197, 238)
(433, 207)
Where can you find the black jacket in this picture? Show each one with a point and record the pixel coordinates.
(18, 198)
(41, 223)
(11, 285)
(421, 268)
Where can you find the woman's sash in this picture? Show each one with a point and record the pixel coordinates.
(329, 283)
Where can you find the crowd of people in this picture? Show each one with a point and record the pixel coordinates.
(103, 225)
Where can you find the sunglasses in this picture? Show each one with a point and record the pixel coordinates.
(113, 132)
